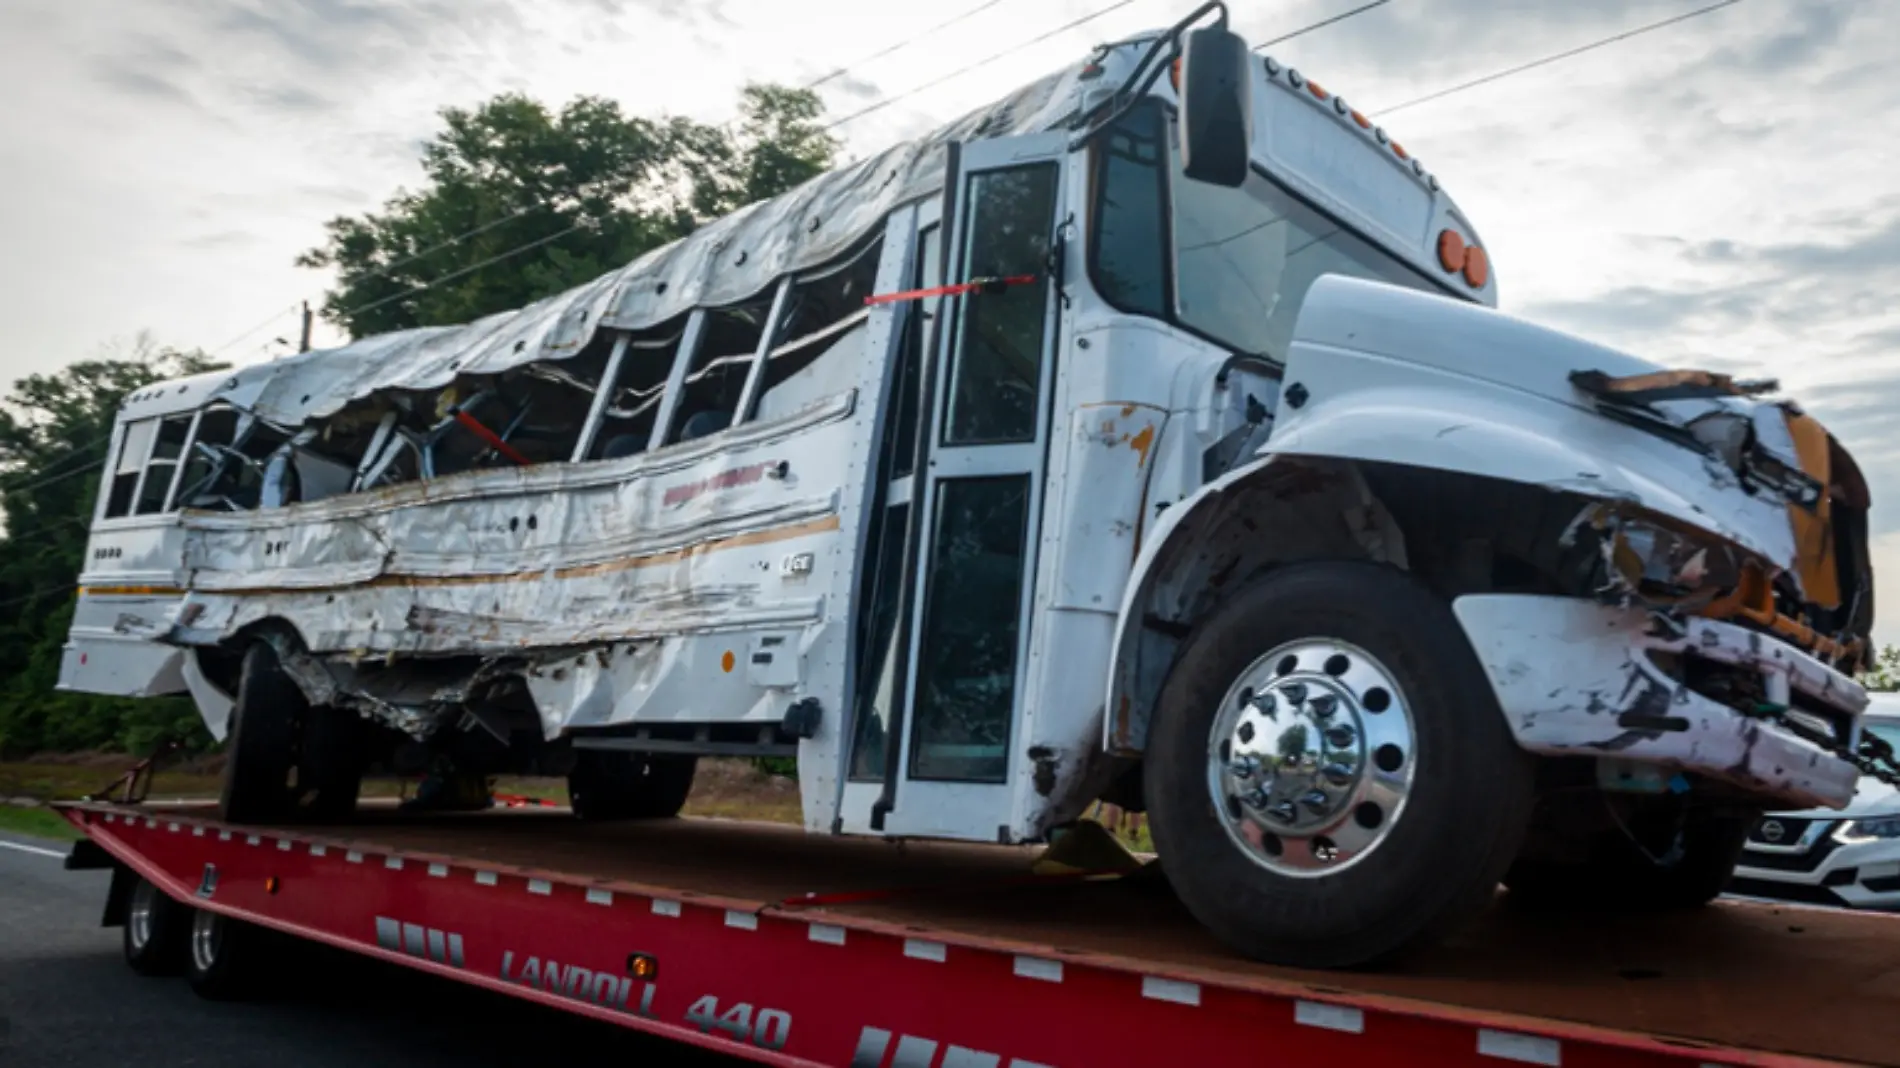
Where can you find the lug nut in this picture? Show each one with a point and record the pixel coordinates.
(1266, 706)
(1339, 736)
(1315, 802)
(1284, 812)
(1323, 705)
(1255, 799)
(1244, 768)
(1337, 774)
(1295, 692)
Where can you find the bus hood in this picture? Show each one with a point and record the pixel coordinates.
(1382, 372)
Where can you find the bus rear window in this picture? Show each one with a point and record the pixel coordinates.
(134, 445)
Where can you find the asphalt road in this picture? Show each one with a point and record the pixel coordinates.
(68, 999)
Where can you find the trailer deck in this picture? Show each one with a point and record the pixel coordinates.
(797, 949)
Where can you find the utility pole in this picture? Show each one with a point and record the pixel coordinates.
(304, 344)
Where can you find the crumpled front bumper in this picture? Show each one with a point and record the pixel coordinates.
(1576, 678)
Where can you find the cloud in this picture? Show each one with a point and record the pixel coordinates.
(145, 84)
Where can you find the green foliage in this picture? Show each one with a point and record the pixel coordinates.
(783, 767)
(1885, 674)
(53, 438)
(598, 186)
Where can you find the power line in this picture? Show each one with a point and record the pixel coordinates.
(905, 43)
(1322, 24)
(36, 594)
(984, 62)
(48, 479)
(274, 316)
(452, 275)
(1534, 64)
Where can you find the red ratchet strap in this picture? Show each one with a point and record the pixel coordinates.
(521, 801)
(951, 290)
(493, 439)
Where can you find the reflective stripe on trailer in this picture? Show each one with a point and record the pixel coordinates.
(782, 988)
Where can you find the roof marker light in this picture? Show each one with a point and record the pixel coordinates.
(1364, 123)
(1400, 149)
(1477, 267)
(1451, 250)
(1318, 93)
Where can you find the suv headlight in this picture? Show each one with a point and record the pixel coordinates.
(1870, 829)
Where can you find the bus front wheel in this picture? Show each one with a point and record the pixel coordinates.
(1330, 782)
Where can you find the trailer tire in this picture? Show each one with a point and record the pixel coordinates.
(225, 962)
(612, 784)
(1620, 878)
(331, 761)
(1333, 645)
(157, 931)
(263, 748)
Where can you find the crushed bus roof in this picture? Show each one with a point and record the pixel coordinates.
(724, 262)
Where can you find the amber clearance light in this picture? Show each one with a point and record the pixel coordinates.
(1457, 257)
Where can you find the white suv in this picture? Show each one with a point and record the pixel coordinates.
(1850, 857)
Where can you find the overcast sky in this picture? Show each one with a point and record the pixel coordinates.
(1719, 193)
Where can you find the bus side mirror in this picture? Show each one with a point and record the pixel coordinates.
(1216, 107)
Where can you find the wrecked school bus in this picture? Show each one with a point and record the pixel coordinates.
(1148, 436)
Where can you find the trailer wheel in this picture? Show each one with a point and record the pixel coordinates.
(156, 931)
(611, 784)
(1330, 781)
(1620, 876)
(225, 959)
(330, 764)
(263, 747)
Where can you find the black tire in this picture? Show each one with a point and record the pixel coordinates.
(1620, 877)
(330, 763)
(156, 931)
(612, 784)
(262, 751)
(1464, 817)
(226, 959)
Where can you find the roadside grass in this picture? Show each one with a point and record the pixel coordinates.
(38, 822)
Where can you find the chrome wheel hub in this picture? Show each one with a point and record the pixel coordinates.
(1311, 756)
(138, 918)
(207, 936)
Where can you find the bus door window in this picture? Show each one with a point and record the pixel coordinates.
(879, 688)
(995, 380)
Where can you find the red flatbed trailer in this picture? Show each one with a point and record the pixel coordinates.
(797, 950)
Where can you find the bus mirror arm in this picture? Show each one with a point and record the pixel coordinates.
(1138, 82)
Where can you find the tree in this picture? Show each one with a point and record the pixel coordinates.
(580, 192)
(1884, 676)
(54, 431)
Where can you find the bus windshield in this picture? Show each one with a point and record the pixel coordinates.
(1241, 259)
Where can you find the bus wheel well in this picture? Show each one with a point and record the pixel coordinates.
(1459, 532)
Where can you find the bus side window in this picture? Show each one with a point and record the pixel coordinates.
(167, 448)
(626, 425)
(135, 443)
(709, 398)
(823, 336)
